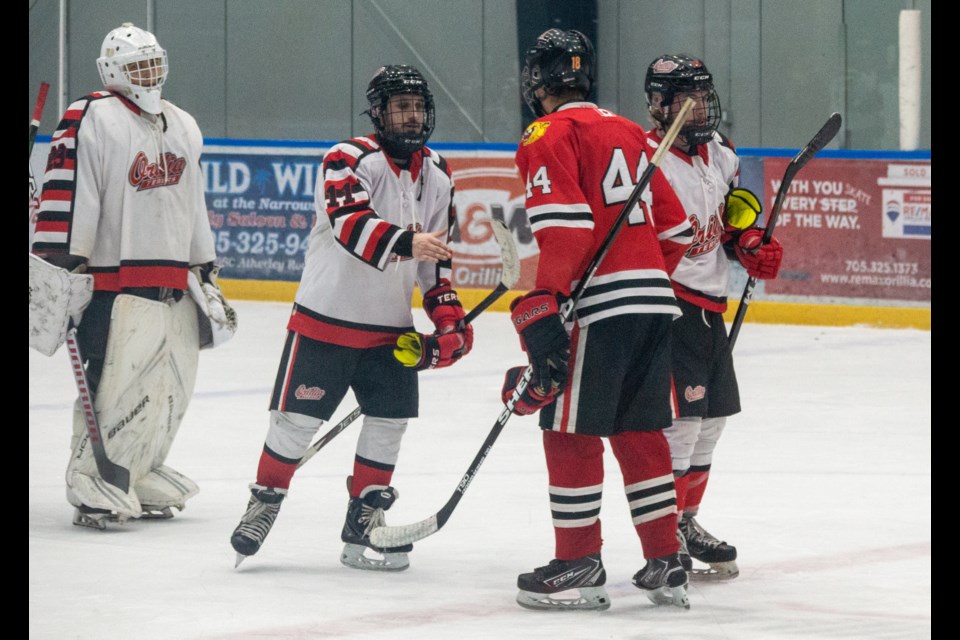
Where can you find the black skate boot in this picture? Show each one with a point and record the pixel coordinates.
(364, 514)
(262, 510)
(702, 546)
(664, 580)
(585, 575)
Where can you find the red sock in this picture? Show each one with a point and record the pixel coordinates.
(682, 483)
(644, 456)
(274, 471)
(367, 472)
(575, 461)
(697, 483)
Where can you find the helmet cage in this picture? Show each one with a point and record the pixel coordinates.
(559, 61)
(673, 79)
(396, 80)
(134, 64)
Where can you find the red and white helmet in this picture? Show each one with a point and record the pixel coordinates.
(133, 64)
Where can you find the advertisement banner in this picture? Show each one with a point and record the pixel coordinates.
(853, 229)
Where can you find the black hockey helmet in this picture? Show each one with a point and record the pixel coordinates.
(391, 80)
(558, 61)
(670, 75)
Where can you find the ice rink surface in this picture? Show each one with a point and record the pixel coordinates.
(822, 482)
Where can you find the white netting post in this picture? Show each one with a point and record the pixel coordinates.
(910, 74)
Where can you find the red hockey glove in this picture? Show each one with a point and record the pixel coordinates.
(760, 260)
(532, 399)
(432, 351)
(536, 317)
(442, 305)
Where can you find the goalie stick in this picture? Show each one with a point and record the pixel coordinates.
(510, 274)
(395, 536)
(819, 141)
(113, 473)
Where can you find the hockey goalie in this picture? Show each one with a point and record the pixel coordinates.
(122, 269)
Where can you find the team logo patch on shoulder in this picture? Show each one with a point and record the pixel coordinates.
(534, 132)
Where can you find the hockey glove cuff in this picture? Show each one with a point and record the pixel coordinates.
(442, 305)
(536, 317)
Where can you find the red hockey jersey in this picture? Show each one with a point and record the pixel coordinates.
(580, 164)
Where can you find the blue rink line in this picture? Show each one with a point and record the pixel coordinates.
(757, 152)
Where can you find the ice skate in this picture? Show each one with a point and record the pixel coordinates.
(720, 556)
(93, 518)
(262, 510)
(163, 489)
(664, 580)
(97, 517)
(364, 514)
(565, 585)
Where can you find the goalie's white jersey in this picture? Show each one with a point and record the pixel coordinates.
(355, 289)
(702, 182)
(125, 190)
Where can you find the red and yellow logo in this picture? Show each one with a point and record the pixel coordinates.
(534, 132)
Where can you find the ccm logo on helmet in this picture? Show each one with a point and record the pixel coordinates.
(531, 314)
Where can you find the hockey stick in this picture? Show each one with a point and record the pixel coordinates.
(387, 536)
(37, 112)
(113, 473)
(819, 141)
(508, 277)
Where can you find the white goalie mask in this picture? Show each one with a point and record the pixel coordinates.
(133, 64)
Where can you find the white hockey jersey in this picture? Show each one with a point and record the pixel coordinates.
(702, 182)
(358, 277)
(125, 191)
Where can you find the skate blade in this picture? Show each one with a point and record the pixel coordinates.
(588, 598)
(676, 596)
(716, 572)
(354, 556)
(97, 521)
(158, 513)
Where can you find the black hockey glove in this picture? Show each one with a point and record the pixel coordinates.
(536, 317)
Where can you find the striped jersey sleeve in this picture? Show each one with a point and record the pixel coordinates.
(58, 200)
(356, 225)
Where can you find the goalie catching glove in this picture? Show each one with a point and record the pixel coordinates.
(536, 317)
(218, 320)
(451, 341)
(762, 261)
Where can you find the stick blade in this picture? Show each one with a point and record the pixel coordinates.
(823, 137)
(384, 537)
(508, 253)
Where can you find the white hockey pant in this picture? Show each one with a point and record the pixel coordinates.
(148, 378)
(380, 438)
(290, 433)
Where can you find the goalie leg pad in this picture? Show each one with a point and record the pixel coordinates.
(56, 297)
(163, 488)
(148, 376)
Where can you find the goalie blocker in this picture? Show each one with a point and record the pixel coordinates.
(57, 298)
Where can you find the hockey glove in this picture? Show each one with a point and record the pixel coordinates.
(218, 320)
(536, 317)
(532, 399)
(431, 351)
(761, 261)
(445, 311)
